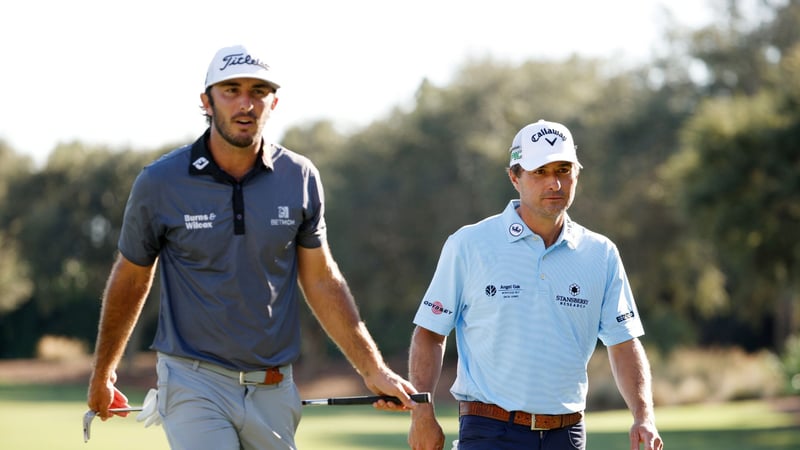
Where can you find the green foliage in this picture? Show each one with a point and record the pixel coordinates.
(65, 222)
(735, 183)
(739, 176)
(690, 165)
(791, 363)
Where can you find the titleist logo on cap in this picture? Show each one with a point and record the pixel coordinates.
(236, 59)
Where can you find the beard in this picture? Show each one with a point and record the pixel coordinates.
(225, 129)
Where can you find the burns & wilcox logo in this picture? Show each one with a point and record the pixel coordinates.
(199, 221)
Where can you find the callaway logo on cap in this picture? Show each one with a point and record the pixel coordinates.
(541, 143)
(238, 62)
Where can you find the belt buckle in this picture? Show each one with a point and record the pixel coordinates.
(533, 424)
(244, 382)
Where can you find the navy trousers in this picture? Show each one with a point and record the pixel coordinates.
(483, 433)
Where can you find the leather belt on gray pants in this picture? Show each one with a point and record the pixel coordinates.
(268, 376)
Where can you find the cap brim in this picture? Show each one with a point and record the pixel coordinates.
(532, 164)
(272, 84)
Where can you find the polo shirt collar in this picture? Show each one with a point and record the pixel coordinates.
(202, 163)
(516, 229)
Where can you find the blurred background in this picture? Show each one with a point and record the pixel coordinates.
(691, 162)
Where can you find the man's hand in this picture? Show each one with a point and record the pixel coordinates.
(386, 382)
(104, 395)
(647, 434)
(425, 432)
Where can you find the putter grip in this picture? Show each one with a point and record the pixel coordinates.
(423, 397)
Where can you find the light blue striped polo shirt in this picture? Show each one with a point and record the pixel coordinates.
(527, 318)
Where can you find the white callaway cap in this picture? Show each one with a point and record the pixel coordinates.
(238, 62)
(541, 143)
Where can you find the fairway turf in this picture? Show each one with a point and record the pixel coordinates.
(41, 417)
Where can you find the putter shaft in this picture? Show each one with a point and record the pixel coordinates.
(423, 397)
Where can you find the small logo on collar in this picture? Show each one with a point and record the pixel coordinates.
(516, 229)
(200, 163)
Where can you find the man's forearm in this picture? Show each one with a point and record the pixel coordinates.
(631, 370)
(336, 311)
(425, 358)
(123, 299)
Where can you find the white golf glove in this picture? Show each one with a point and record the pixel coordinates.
(149, 414)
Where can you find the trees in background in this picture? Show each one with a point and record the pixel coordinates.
(736, 178)
(690, 165)
(64, 223)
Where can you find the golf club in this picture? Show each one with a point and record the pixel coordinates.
(89, 416)
(422, 397)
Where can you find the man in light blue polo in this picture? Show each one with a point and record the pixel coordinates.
(529, 292)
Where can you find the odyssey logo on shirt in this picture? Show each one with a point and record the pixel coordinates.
(437, 307)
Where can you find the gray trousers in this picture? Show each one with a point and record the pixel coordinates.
(202, 409)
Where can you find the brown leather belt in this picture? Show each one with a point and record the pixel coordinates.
(534, 421)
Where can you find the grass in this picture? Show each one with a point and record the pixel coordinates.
(37, 417)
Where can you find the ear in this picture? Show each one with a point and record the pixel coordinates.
(274, 103)
(514, 179)
(206, 104)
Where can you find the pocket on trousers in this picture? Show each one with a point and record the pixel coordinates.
(577, 435)
(162, 370)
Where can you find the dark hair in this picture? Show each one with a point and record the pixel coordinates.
(517, 170)
(210, 102)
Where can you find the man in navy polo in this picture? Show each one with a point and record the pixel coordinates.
(235, 224)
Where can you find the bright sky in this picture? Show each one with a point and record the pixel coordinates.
(130, 74)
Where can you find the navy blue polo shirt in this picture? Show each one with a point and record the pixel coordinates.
(227, 252)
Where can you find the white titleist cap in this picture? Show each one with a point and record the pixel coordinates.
(541, 143)
(238, 62)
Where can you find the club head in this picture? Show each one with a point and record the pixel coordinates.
(87, 424)
(89, 416)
